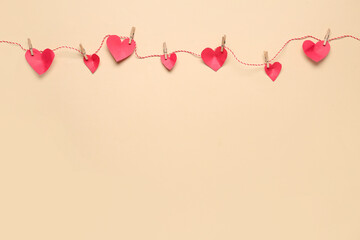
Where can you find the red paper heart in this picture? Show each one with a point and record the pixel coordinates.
(214, 59)
(41, 61)
(170, 61)
(316, 52)
(120, 49)
(93, 62)
(273, 71)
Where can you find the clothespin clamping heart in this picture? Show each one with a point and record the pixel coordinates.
(272, 70)
(168, 60)
(215, 58)
(317, 51)
(91, 61)
(40, 61)
(121, 50)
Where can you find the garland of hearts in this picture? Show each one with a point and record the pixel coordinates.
(123, 47)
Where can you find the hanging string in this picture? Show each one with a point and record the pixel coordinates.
(190, 52)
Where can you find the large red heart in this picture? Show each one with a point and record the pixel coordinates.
(41, 61)
(120, 49)
(316, 52)
(93, 62)
(273, 71)
(214, 59)
(169, 62)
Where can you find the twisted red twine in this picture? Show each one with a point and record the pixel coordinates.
(189, 52)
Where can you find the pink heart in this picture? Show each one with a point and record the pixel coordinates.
(93, 62)
(41, 61)
(169, 62)
(273, 71)
(120, 49)
(214, 59)
(316, 52)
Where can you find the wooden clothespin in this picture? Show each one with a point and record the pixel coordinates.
(266, 57)
(326, 38)
(30, 47)
(223, 41)
(165, 50)
(83, 52)
(132, 33)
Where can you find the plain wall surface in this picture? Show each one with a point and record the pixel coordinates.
(139, 153)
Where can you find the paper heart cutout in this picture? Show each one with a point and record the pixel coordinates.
(316, 52)
(93, 62)
(41, 61)
(120, 49)
(273, 71)
(169, 62)
(214, 59)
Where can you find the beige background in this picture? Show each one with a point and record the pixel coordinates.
(135, 152)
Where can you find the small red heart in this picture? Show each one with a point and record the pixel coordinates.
(214, 59)
(170, 61)
(93, 62)
(41, 61)
(316, 52)
(273, 71)
(120, 49)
